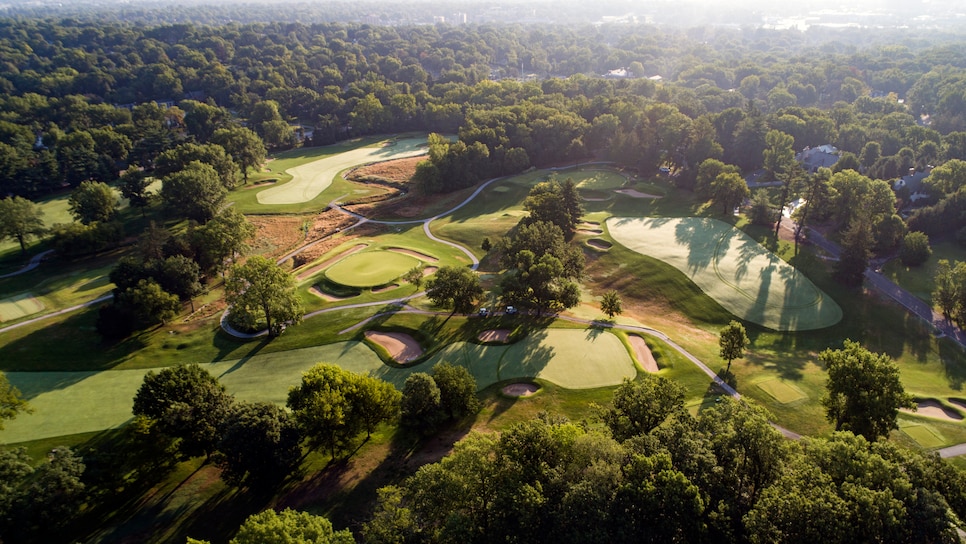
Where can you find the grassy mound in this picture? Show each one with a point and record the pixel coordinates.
(747, 279)
(19, 306)
(370, 268)
(781, 391)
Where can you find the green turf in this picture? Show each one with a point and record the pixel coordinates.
(309, 180)
(919, 280)
(575, 359)
(781, 391)
(595, 180)
(19, 306)
(923, 435)
(370, 268)
(745, 278)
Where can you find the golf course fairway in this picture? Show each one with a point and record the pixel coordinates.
(747, 279)
(309, 180)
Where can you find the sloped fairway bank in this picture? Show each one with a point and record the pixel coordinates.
(68, 403)
(731, 267)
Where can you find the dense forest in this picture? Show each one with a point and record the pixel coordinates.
(84, 102)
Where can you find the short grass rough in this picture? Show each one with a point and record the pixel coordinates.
(744, 277)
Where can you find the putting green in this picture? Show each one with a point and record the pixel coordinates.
(19, 306)
(733, 269)
(370, 268)
(596, 180)
(781, 391)
(574, 359)
(309, 180)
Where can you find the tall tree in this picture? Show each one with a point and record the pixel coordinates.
(457, 390)
(856, 251)
(260, 445)
(728, 191)
(732, 342)
(221, 240)
(148, 302)
(289, 527)
(134, 185)
(946, 291)
(186, 402)
(863, 392)
(243, 145)
(421, 403)
(11, 401)
(20, 219)
(261, 292)
(93, 201)
(194, 192)
(641, 405)
(454, 285)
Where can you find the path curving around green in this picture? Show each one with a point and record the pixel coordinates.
(744, 277)
(309, 180)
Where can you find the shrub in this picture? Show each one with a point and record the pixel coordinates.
(915, 249)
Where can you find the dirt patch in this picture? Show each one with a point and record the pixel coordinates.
(494, 335)
(412, 253)
(520, 389)
(599, 244)
(330, 243)
(399, 170)
(279, 234)
(636, 194)
(643, 353)
(384, 288)
(325, 296)
(401, 347)
(429, 270)
(329, 262)
(935, 409)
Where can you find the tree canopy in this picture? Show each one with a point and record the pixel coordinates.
(262, 294)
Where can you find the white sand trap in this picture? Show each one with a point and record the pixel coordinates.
(309, 180)
(599, 244)
(401, 347)
(731, 267)
(958, 402)
(520, 389)
(935, 409)
(494, 335)
(429, 270)
(643, 353)
(325, 296)
(385, 288)
(636, 194)
(414, 253)
(590, 231)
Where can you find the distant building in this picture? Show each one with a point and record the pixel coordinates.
(813, 158)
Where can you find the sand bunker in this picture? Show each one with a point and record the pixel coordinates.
(325, 296)
(494, 335)
(429, 270)
(599, 244)
(933, 408)
(636, 194)
(958, 402)
(643, 353)
(412, 253)
(401, 347)
(591, 223)
(329, 262)
(590, 231)
(389, 287)
(520, 389)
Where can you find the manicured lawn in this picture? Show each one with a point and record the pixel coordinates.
(18, 306)
(918, 280)
(745, 278)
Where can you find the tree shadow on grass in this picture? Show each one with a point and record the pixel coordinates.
(953, 360)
